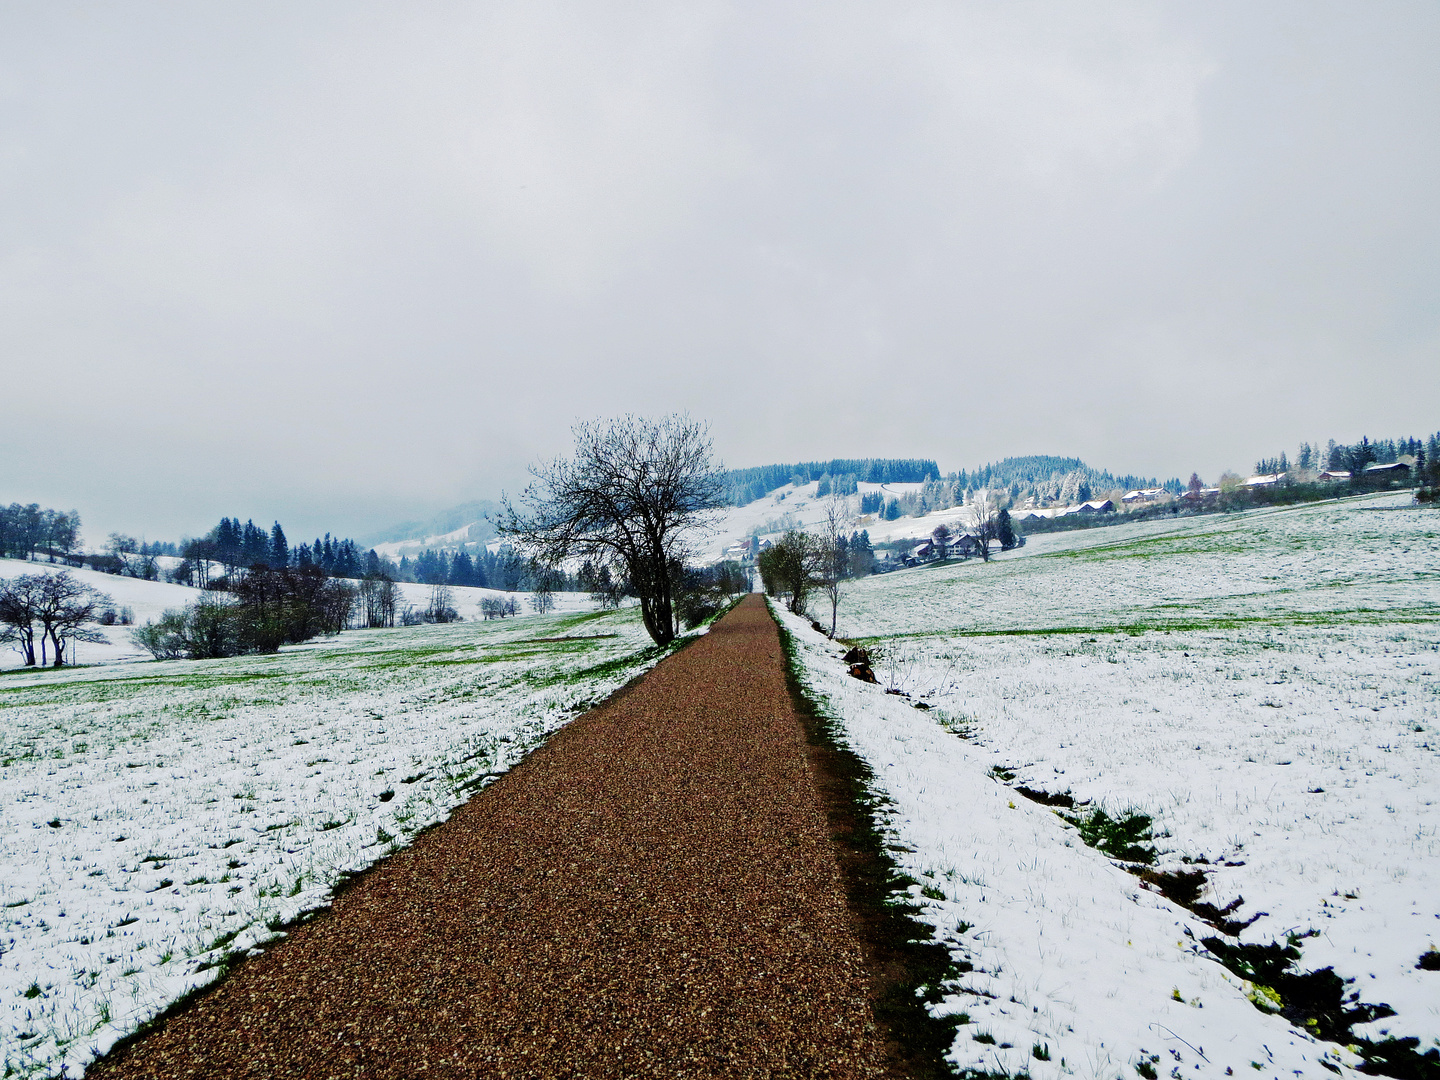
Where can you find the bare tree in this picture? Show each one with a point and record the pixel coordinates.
(65, 606)
(19, 604)
(833, 556)
(631, 499)
(986, 509)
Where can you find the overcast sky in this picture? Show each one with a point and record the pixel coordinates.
(342, 264)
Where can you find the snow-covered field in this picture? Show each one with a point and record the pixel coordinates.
(157, 818)
(1263, 685)
(148, 600)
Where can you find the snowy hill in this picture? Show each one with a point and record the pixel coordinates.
(468, 525)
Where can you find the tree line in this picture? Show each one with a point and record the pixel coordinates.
(237, 547)
(1355, 458)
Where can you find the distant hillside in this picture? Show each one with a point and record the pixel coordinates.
(474, 514)
(1043, 475)
(1041, 472)
(746, 485)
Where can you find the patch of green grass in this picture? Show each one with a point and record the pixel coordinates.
(1127, 837)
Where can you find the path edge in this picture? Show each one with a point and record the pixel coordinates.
(908, 967)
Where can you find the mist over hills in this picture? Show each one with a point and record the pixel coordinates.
(1044, 475)
(478, 515)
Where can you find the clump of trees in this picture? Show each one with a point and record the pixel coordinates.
(378, 600)
(28, 532)
(441, 607)
(497, 607)
(790, 568)
(605, 588)
(268, 608)
(56, 607)
(632, 498)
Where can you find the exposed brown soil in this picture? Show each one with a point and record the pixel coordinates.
(652, 893)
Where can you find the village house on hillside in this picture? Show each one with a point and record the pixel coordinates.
(1264, 480)
(1395, 470)
(1092, 507)
(962, 547)
(1142, 496)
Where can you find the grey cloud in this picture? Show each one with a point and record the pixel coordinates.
(340, 262)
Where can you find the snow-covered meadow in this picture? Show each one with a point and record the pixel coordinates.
(148, 600)
(158, 818)
(1263, 685)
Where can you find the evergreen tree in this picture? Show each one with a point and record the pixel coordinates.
(862, 555)
(462, 570)
(279, 547)
(227, 544)
(1361, 455)
(1005, 531)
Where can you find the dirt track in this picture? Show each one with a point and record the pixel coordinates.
(653, 893)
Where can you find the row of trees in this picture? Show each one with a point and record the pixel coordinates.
(239, 547)
(28, 532)
(742, 486)
(485, 569)
(56, 607)
(1356, 457)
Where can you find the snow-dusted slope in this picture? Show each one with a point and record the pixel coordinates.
(800, 507)
(1266, 686)
(157, 817)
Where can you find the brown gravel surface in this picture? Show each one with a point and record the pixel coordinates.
(652, 893)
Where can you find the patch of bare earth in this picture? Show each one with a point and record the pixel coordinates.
(652, 893)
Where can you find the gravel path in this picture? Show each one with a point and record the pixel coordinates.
(652, 893)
